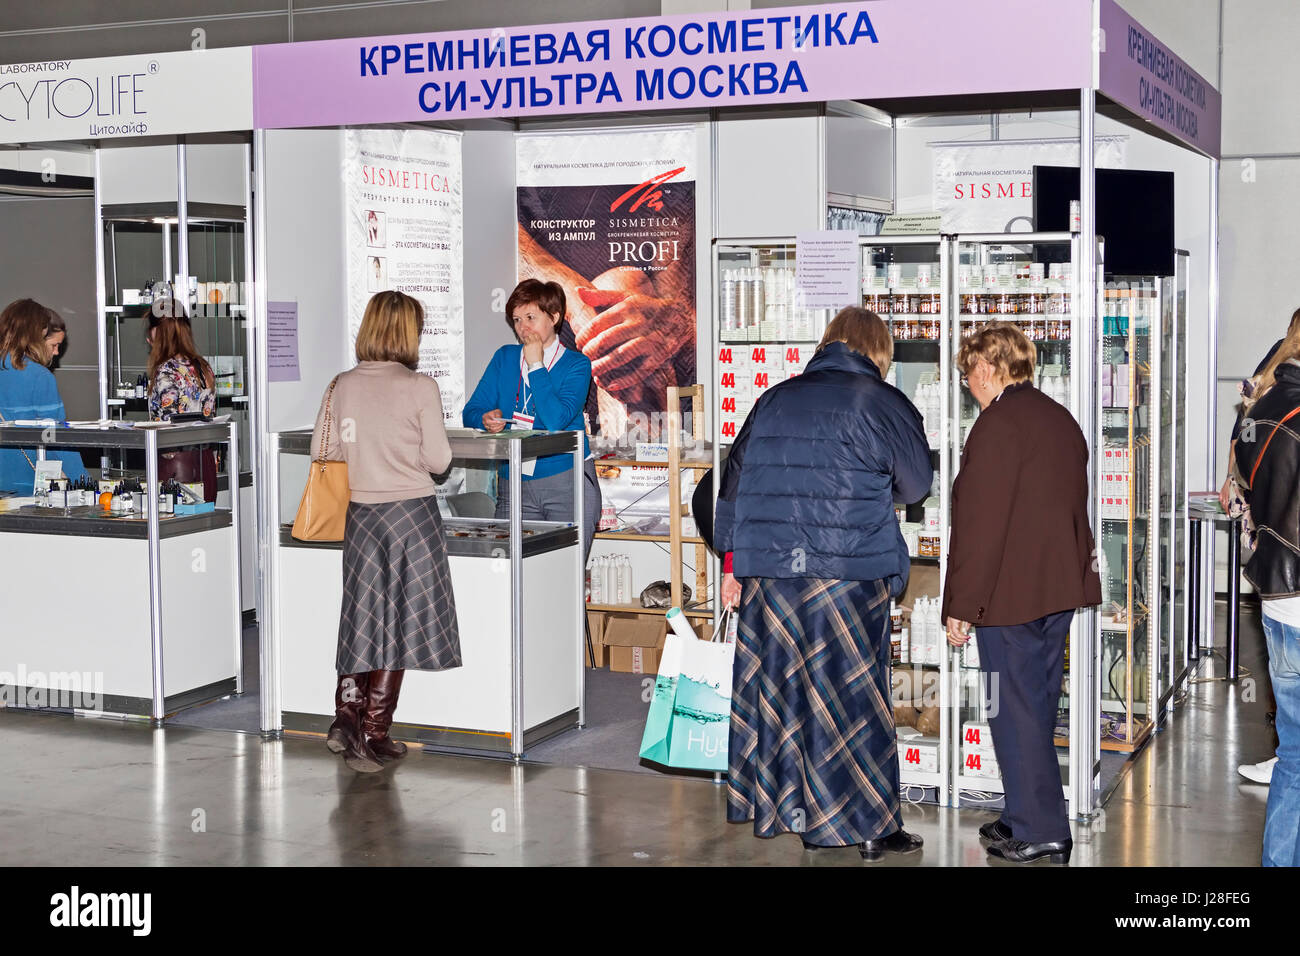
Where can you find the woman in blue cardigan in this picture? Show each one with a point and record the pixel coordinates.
(538, 384)
(27, 391)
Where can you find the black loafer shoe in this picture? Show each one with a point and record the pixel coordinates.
(996, 832)
(900, 841)
(1018, 851)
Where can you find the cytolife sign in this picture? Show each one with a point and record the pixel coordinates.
(195, 91)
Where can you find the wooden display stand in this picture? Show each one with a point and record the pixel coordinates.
(701, 612)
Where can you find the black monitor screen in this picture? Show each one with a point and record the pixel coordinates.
(1135, 215)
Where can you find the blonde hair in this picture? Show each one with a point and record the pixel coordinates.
(1003, 346)
(390, 329)
(862, 331)
(1289, 349)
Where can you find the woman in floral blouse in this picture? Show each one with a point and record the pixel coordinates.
(180, 382)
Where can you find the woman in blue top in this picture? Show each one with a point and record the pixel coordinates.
(538, 384)
(27, 391)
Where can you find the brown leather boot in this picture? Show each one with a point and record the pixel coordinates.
(360, 757)
(349, 702)
(381, 703)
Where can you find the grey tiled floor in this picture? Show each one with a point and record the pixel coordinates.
(87, 792)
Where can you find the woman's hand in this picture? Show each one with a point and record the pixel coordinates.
(533, 351)
(958, 632)
(1225, 496)
(492, 421)
(730, 591)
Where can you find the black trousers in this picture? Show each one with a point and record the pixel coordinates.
(1023, 699)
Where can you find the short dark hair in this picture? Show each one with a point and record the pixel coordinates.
(548, 295)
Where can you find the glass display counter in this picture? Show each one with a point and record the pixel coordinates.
(518, 587)
(131, 614)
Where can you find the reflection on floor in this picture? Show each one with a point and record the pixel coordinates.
(90, 792)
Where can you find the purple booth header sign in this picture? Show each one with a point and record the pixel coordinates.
(1142, 74)
(878, 49)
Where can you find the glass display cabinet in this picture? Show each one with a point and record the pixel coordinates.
(1172, 359)
(905, 280)
(762, 337)
(1127, 486)
(141, 259)
(932, 291)
(1029, 282)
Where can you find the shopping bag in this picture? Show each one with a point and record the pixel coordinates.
(690, 713)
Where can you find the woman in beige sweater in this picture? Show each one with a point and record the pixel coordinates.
(385, 420)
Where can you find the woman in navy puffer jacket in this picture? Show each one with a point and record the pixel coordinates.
(806, 520)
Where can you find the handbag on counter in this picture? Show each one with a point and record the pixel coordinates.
(324, 506)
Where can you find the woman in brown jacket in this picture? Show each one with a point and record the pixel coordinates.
(1020, 562)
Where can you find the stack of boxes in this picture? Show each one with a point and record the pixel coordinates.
(917, 754)
(977, 757)
(745, 372)
(1116, 481)
(1114, 385)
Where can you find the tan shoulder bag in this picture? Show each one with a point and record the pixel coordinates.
(324, 506)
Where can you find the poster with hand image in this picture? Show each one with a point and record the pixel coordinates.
(611, 217)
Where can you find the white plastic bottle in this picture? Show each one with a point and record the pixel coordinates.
(611, 580)
(597, 581)
(624, 580)
(936, 636)
(920, 631)
(727, 299)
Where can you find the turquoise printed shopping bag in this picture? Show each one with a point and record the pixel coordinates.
(690, 714)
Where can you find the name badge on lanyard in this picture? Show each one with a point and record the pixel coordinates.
(521, 420)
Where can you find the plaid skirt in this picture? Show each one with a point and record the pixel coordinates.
(812, 747)
(398, 609)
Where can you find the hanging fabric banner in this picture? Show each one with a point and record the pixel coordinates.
(404, 232)
(611, 217)
(987, 185)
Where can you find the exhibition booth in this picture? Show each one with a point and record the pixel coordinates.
(673, 174)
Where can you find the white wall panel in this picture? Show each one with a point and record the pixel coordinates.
(1189, 28)
(305, 263)
(490, 245)
(770, 175)
(1260, 73)
(137, 174)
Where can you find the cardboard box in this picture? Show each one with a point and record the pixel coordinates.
(635, 642)
(596, 625)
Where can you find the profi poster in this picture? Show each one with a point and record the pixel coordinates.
(403, 206)
(611, 217)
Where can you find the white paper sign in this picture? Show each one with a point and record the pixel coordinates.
(827, 272)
